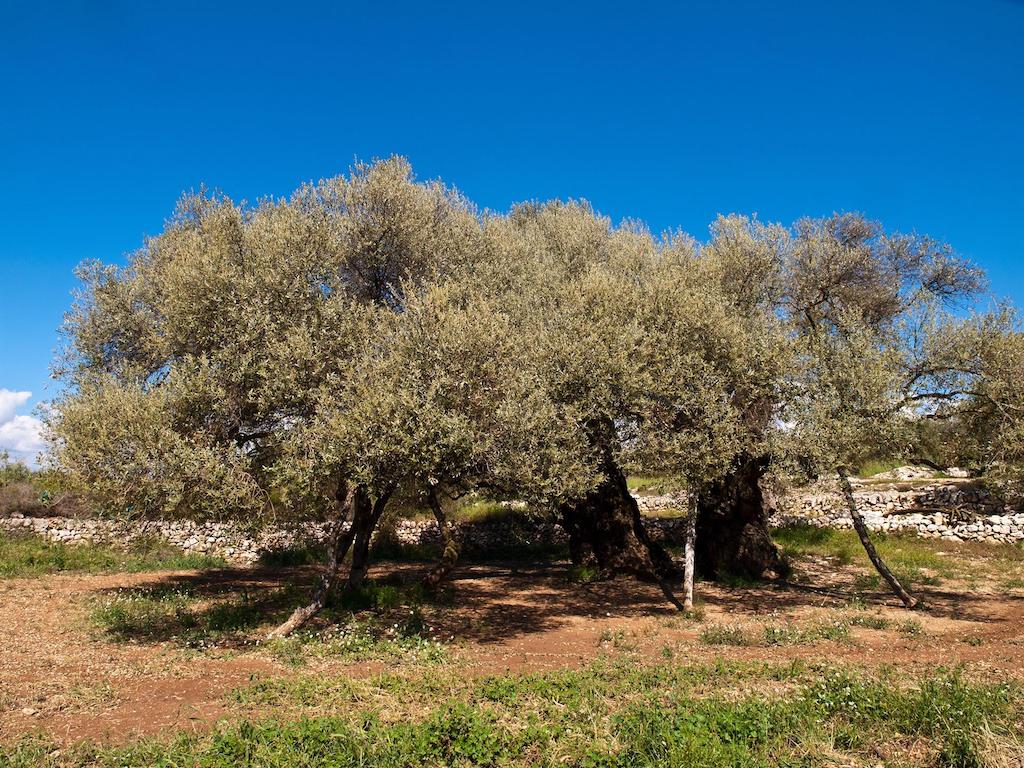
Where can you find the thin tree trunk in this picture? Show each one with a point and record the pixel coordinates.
(452, 545)
(862, 532)
(339, 540)
(666, 590)
(365, 526)
(688, 562)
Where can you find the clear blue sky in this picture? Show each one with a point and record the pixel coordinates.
(912, 112)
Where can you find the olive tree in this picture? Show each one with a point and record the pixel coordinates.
(868, 304)
(193, 371)
(847, 402)
(441, 403)
(995, 415)
(310, 358)
(829, 278)
(635, 340)
(966, 378)
(746, 259)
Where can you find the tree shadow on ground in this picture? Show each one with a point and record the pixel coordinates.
(219, 607)
(496, 603)
(790, 596)
(484, 602)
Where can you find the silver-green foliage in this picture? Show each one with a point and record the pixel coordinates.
(379, 331)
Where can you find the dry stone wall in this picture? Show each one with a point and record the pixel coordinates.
(951, 511)
(948, 511)
(234, 543)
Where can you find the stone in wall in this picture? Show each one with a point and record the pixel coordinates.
(952, 511)
(948, 511)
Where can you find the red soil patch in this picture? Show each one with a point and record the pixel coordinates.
(57, 676)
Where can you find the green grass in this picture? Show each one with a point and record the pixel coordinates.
(605, 715)
(24, 555)
(407, 639)
(869, 621)
(1014, 582)
(484, 510)
(387, 547)
(836, 629)
(914, 560)
(584, 574)
(179, 614)
(725, 634)
(798, 540)
(470, 509)
(911, 628)
(652, 484)
(872, 467)
(793, 634)
(378, 621)
(293, 556)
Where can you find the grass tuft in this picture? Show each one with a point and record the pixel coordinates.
(725, 634)
(28, 555)
(791, 634)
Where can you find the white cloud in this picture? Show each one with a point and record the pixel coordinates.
(10, 402)
(20, 435)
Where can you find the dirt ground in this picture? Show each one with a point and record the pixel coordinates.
(59, 676)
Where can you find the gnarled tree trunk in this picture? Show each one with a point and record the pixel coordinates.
(451, 540)
(352, 502)
(732, 525)
(605, 528)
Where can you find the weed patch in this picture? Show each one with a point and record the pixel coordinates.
(601, 716)
(725, 634)
(157, 614)
(791, 634)
(24, 555)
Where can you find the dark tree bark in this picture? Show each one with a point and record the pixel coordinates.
(451, 541)
(605, 528)
(363, 528)
(364, 524)
(862, 533)
(350, 501)
(732, 526)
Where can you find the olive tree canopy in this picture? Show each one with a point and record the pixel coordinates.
(189, 369)
(309, 358)
(858, 306)
(640, 344)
